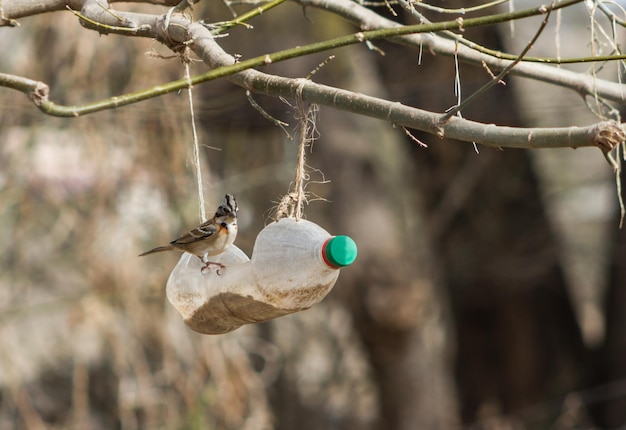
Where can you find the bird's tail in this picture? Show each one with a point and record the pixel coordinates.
(157, 249)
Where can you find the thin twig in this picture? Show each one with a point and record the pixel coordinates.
(222, 26)
(503, 73)
(267, 116)
(319, 66)
(462, 10)
(620, 195)
(413, 138)
(110, 28)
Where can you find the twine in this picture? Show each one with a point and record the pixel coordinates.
(196, 146)
(292, 203)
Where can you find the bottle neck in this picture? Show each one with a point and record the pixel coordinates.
(325, 255)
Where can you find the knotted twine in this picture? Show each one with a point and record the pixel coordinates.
(292, 203)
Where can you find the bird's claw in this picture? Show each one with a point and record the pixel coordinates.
(207, 267)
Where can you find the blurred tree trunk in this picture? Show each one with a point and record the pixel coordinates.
(518, 340)
(396, 298)
(610, 402)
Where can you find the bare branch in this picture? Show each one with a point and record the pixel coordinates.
(601, 134)
(14, 9)
(182, 31)
(368, 20)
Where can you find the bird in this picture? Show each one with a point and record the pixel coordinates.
(210, 238)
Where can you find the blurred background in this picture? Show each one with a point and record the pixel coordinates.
(489, 287)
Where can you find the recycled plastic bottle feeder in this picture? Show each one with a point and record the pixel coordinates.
(294, 265)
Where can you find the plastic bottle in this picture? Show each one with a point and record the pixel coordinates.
(294, 265)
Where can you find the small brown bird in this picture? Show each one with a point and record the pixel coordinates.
(210, 238)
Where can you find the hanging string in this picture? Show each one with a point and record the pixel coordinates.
(292, 203)
(196, 146)
(298, 181)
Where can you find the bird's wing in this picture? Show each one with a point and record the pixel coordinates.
(203, 232)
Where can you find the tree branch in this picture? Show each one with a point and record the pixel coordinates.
(604, 135)
(14, 9)
(142, 25)
(367, 19)
(181, 31)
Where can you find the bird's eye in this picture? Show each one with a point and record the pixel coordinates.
(223, 224)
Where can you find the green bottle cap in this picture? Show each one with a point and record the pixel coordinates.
(339, 251)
